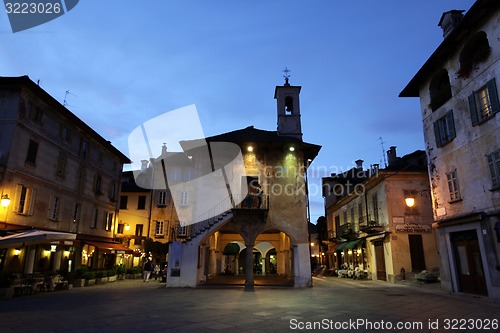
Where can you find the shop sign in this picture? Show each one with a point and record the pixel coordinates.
(413, 228)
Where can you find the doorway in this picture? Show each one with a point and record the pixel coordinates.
(380, 260)
(468, 262)
(416, 253)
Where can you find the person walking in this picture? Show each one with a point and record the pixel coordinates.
(147, 269)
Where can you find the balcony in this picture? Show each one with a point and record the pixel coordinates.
(371, 227)
(345, 229)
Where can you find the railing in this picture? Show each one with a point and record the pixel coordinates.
(344, 229)
(251, 201)
(332, 234)
(207, 220)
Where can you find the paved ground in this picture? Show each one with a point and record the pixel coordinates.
(135, 306)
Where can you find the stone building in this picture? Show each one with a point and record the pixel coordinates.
(56, 175)
(247, 213)
(379, 220)
(458, 91)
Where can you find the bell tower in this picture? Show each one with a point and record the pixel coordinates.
(287, 98)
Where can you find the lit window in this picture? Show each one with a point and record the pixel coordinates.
(26, 200)
(484, 103)
(159, 228)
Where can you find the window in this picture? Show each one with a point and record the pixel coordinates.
(36, 114)
(123, 202)
(439, 89)
(494, 166)
(112, 191)
(55, 207)
(108, 221)
(84, 149)
(184, 199)
(96, 217)
(352, 216)
(97, 184)
(483, 103)
(32, 151)
(61, 166)
(375, 207)
(360, 213)
(138, 229)
(65, 134)
(141, 202)
(476, 51)
(25, 200)
(453, 188)
(444, 129)
(159, 228)
(163, 199)
(120, 228)
(76, 213)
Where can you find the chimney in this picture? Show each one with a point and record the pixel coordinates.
(144, 165)
(450, 20)
(374, 169)
(359, 165)
(391, 155)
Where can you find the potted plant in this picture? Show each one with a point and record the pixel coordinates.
(77, 279)
(121, 271)
(89, 277)
(112, 275)
(101, 277)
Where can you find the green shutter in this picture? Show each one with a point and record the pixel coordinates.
(492, 91)
(473, 109)
(437, 133)
(451, 125)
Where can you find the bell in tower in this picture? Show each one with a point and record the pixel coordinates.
(287, 97)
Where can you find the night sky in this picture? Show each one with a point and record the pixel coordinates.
(124, 62)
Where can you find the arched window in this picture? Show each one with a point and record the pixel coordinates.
(288, 105)
(474, 52)
(439, 89)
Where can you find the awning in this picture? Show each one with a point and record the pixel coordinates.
(116, 248)
(34, 236)
(349, 245)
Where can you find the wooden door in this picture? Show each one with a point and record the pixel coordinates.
(468, 262)
(380, 260)
(416, 253)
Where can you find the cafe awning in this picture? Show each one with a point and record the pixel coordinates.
(115, 248)
(35, 236)
(349, 245)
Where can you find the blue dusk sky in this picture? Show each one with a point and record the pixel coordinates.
(125, 62)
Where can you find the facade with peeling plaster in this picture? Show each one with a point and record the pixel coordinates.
(458, 91)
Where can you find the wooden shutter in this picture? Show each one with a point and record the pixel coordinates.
(492, 91)
(437, 134)
(451, 125)
(473, 109)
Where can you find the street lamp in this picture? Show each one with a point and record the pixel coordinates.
(410, 202)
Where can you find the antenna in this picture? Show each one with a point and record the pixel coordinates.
(383, 152)
(65, 104)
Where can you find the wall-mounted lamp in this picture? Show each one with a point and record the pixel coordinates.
(349, 252)
(410, 202)
(5, 200)
(53, 248)
(127, 227)
(250, 148)
(359, 251)
(312, 244)
(291, 148)
(17, 252)
(46, 253)
(66, 254)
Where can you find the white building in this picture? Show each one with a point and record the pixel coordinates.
(458, 91)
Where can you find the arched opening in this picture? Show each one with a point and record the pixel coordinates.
(440, 89)
(474, 52)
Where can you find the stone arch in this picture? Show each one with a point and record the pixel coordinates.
(474, 52)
